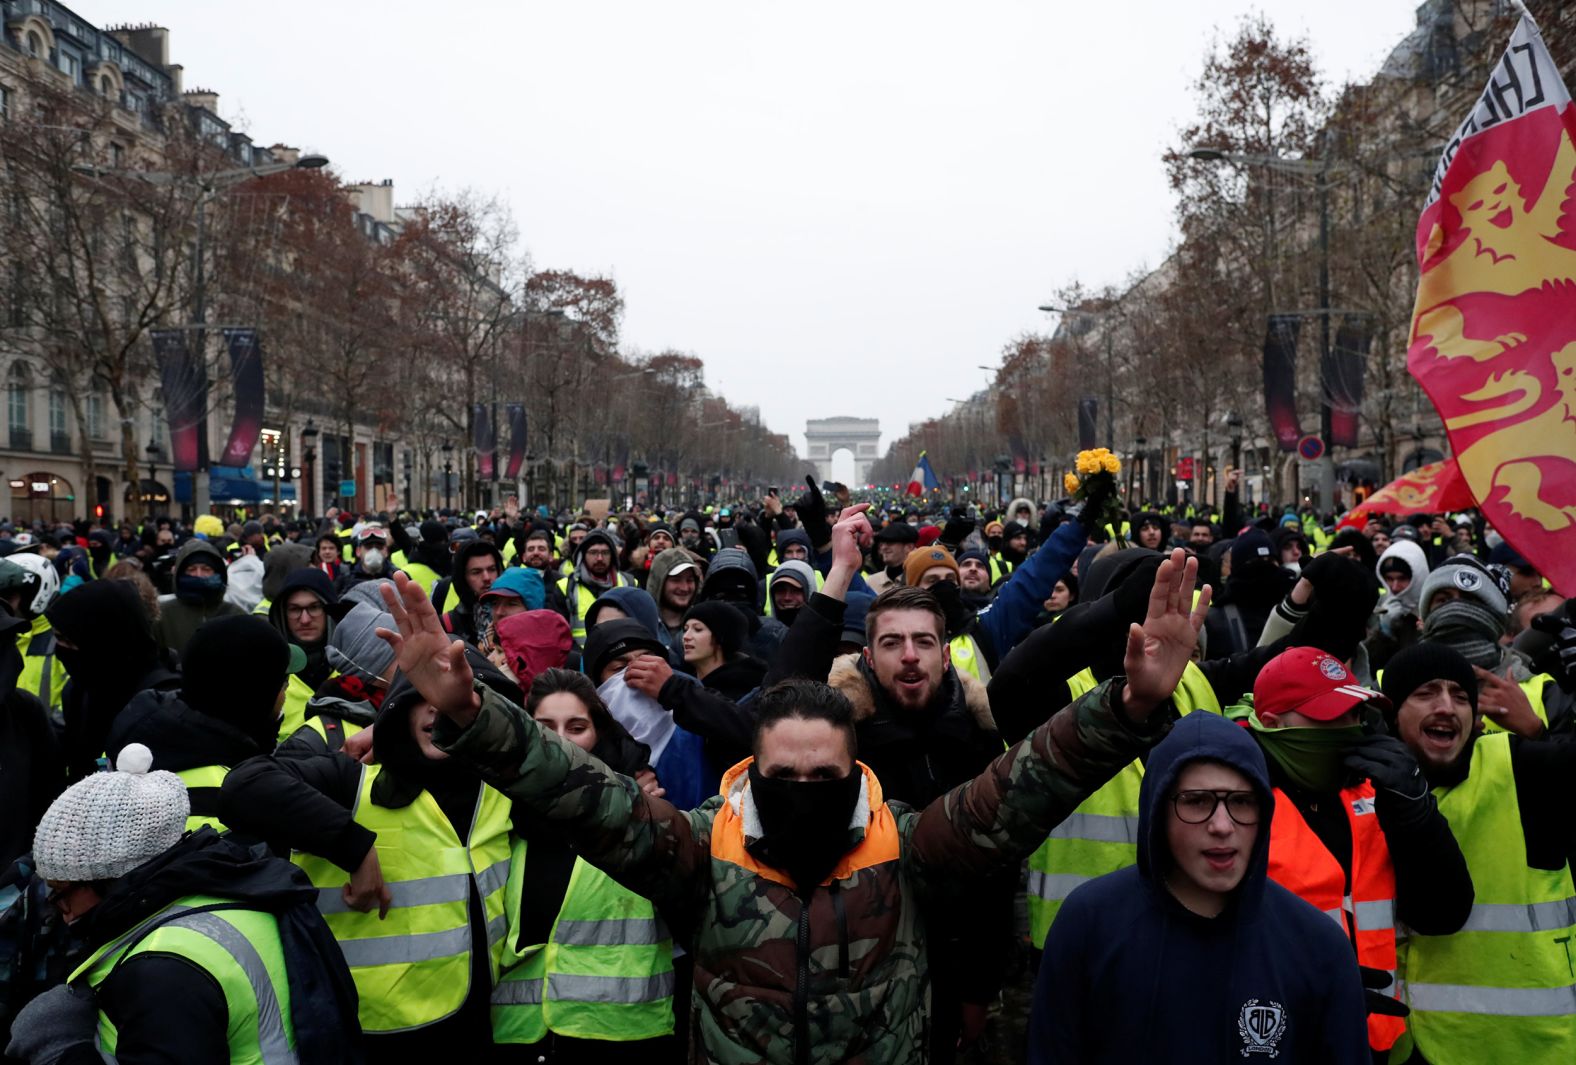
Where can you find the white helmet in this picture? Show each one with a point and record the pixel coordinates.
(43, 580)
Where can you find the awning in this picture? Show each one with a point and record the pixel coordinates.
(234, 485)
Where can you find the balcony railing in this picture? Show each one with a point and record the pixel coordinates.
(60, 443)
(21, 438)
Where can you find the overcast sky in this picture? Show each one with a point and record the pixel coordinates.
(843, 208)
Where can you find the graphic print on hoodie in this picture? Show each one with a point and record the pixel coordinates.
(1130, 975)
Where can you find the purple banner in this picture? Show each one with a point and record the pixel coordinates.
(516, 415)
(246, 378)
(484, 439)
(185, 388)
(1341, 377)
(1280, 379)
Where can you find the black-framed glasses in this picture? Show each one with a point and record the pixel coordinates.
(1194, 807)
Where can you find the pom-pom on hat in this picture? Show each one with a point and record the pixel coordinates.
(103, 827)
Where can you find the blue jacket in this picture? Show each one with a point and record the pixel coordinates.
(1130, 975)
(1010, 616)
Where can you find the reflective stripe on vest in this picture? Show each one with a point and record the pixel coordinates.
(297, 694)
(1101, 835)
(238, 948)
(1303, 865)
(414, 968)
(1502, 988)
(42, 672)
(605, 973)
(202, 788)
(581, 602)
(968, 658)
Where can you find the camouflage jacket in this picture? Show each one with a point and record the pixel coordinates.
(844, 978)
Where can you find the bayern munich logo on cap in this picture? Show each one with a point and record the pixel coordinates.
(1332, 669)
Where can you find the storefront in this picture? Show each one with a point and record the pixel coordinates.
(42, 496)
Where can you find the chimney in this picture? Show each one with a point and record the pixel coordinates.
(150, 43)
(206, 99)
(284, 153)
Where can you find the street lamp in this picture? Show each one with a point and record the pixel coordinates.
(209, 185)
(1110, 364)
(1320, 171)
(448, 472)
(309, 455)
(154, 454)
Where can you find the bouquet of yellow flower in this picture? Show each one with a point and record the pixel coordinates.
(1096, 490)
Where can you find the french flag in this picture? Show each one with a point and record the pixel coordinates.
(923, 479)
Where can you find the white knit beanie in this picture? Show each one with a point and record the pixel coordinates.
(103, 827)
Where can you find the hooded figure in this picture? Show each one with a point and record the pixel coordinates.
(318, 668)
(312, 805)
(280, 563)
(796, 573)
(226, 710)
(534, 642)
(470, 618)
(1282, 980)
(794, 538)
(1257, 583)
(732, 578)
(113, 656)
(198, 597)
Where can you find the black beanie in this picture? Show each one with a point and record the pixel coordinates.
(1425, 661)
(726, 622)
(233, 668)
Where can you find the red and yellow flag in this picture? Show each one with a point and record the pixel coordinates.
(1437, 488)
(1494, 329)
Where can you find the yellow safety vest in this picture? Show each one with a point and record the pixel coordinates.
(343, 730)
(968, 658)
(43, 674)
(581, 602)
(347, 550)
(1504, 987)
(205, 780)
(1101, 835)
(1533, 686)
(605, 972)
(238, 948)
(422, 574)
(414, 969)
(771, 610)
(297, 694)
(264, 605)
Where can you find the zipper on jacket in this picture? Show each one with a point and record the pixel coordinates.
(801, 989)
(842, 930)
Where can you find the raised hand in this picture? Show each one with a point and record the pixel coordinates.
(1159, 649)
(850, 536)
(434, 664)
(1504, 702)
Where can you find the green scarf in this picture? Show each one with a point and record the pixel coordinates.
(1312, 759)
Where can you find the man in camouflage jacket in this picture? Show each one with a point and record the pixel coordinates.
(837, 973)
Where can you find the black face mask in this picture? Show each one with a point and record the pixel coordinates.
(994, 542)
(805, 823)
(950, 596)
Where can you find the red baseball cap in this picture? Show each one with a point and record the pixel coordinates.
(1312, 682)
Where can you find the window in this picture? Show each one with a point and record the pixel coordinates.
(96, 414)
(69, 64)
(5, 103)
(117, 156)
(106, 85)
(35, 44)
(18, 413)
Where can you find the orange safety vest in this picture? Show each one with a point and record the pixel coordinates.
(1302, 864)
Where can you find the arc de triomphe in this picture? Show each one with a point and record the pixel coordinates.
(825, 436)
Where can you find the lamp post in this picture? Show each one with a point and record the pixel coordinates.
(1110, 362)
(153, 476)
(208, 185)
(309, 456)
(448, 472)
(1320, 171)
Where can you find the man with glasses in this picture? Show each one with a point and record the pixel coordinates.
(1194, 955)
(304, 614)
(1356, 831)
(595, 573)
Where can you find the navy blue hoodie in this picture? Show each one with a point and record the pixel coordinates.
(1130, 975)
